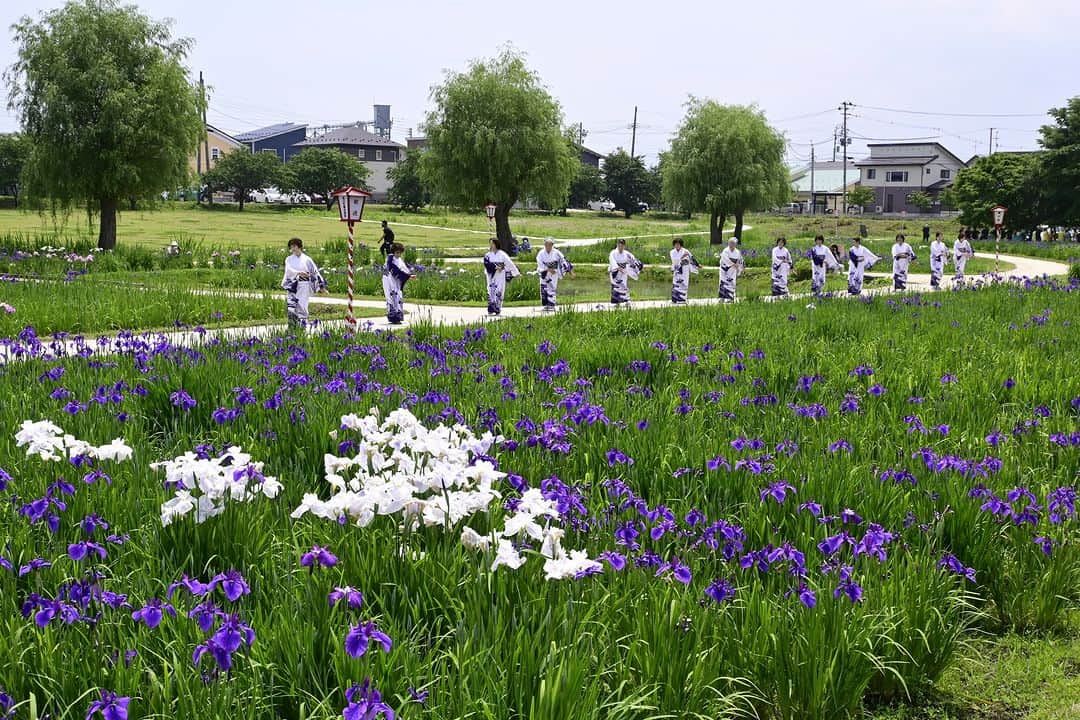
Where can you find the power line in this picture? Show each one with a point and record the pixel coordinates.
(970, 115)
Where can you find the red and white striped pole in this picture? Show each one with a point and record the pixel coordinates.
(350, 318)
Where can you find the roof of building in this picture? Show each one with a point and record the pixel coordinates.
(921, 160)
(268, 132)
(351, 135)
(222, 134)
(820, 166)
(940, 148)
(824, 181)
(591, 152)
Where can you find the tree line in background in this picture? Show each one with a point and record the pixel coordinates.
(109, 115)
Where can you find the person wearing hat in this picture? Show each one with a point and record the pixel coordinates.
(731, 266)
(902, 257)
(682, 264)
(499, 268)
(551, 266)
(781, 267)
(822, 260)
(860, 259)
(387, 244)
(622, 267)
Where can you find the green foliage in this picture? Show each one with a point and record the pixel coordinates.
(1009, 179)
(105, 102)
(13, 153)
(1061, 164)
(860, 196)
(626, 181)
(921, 200)
(725, 159)
(495, 136)
(242, 172)
(320, 171)
(588, 184)
(408, 190)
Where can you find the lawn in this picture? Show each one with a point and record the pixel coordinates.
(773, 511)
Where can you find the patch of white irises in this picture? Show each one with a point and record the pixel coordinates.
(205, 485)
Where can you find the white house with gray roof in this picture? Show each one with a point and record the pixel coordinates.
(378, 153)
(895, 171)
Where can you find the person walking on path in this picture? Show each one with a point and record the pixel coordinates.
(301, 280)
(499, 269)
(622, 267)
(385, 247)
(781, 268)
(860, 259)
(682, 264)
(822, 260)
(939, 255)
(962, 252)
(731, 266)
(902, 257)
(395, 274)
(551, 265)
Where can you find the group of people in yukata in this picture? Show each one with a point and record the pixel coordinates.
(302, 277)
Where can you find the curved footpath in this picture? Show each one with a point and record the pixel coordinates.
(1023, 267)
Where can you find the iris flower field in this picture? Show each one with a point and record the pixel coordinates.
(776, 511)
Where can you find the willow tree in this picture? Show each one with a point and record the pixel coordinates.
(106, 105)
(496, 136)
(725, 160)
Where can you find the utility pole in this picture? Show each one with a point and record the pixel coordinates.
(633, 136)
(834, 144)
(581, 134)
(813, 203)
(990, 145)
(843, 144)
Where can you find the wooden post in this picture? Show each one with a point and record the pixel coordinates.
(350, 318)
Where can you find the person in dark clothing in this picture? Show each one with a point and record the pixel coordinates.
(926, 233)
(387, 239)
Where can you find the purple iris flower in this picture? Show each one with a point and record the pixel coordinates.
(777, 491)
(360, 636)
(92, 523)
(617, 561)
(717, 462)
(232, 584)
(832, 544)
(350, 596)
(807, 596)
(205, 614)
(152, 612)
(366, 703)
(677, 569)
(1009, 383)
(1045, 544)
(318, 557)
(192, 585)
(111, 706)
(35, 564)
(839, 445)
(182, 400)
(80, 550)
(876, 390)
(848, 586)
(418, 696)
(720, 590)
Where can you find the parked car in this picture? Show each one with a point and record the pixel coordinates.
(601, 205)
(268, 195)
(643, 207)
(297, 199)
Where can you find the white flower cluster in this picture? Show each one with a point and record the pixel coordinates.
(430, 476)
(49, 442)
(205, 484)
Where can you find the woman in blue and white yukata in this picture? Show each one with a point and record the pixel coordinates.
(821, 261)
(499, 268)
(395, 274)
(860, 259)
(682, 264)
(902, 257)
(551, 265)
(302, 278)
(622, 267)
(961, 254)
(781, 267)
(731, 266)
(939, 255)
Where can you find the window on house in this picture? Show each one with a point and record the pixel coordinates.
(360, 153)
(378, 154)
(927, 171)
(896, 176)
(946, 174)
(871, 174)
(215, 153)
(393, 156)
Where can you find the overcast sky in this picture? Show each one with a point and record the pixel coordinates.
(322, 62)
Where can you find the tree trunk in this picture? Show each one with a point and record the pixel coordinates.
(738, 224)
(242, 197)
(502, 226)
(716, 228)
(107, 226)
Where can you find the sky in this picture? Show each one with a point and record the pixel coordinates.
(946, 70)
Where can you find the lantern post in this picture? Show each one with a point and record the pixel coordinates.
(999, 220)
(351, 203)
(490, 210)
